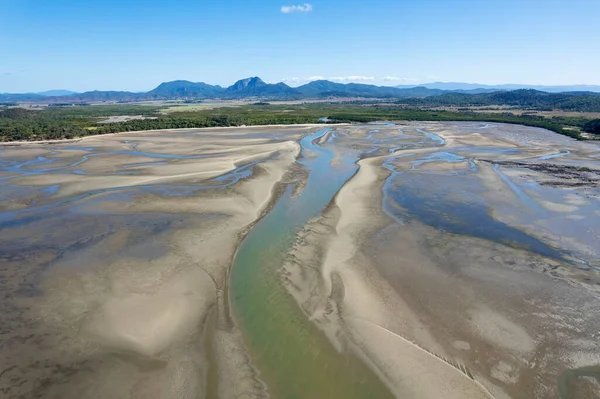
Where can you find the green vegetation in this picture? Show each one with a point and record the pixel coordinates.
(524, 99)
(61, 123)
(592, 126)
(69, 122)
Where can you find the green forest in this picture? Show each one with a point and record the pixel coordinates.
(524, 99)
(592, 126)
(19, 124)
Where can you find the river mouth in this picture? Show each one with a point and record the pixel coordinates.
(355, 261)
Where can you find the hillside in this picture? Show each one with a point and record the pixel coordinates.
(184, 89)
(458, 86)
(325, 88)
(524, 98)
(256, 88)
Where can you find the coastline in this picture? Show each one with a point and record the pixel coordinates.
(201, 129)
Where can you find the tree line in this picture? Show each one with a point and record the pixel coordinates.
(592, 126)
(525, 98)
(19, 124)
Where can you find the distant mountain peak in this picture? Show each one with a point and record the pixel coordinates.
(255, 87)
(480, 87)
(247, 83)
(185, 89)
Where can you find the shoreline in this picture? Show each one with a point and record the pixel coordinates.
(78, 139)
(301, 125)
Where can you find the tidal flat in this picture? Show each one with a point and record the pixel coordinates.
(406, 259)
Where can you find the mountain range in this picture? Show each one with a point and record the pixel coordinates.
(522, 98)
(254, 87)
(457, 86)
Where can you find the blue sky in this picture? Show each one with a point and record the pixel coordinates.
(135, 45)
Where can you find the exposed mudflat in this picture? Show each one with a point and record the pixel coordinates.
(115, 253)
(462, 259)
(415, 260)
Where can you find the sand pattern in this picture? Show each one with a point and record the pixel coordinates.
(409, 260)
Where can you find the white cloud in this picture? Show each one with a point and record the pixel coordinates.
(300, 81)
(352, 78)
(299, 8)
(297, 81)
(343, 79)
(398, 80)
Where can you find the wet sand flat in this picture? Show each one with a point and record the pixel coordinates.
(115, 256)
(409, 260)
(462, 262)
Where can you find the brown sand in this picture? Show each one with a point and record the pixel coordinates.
(122, 292)
(124, 313)
(443, 315)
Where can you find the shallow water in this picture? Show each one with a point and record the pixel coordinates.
(295, 359)
(43, 165)
(293, 356)
(467, 217)
(568, 380)
(558, 154)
